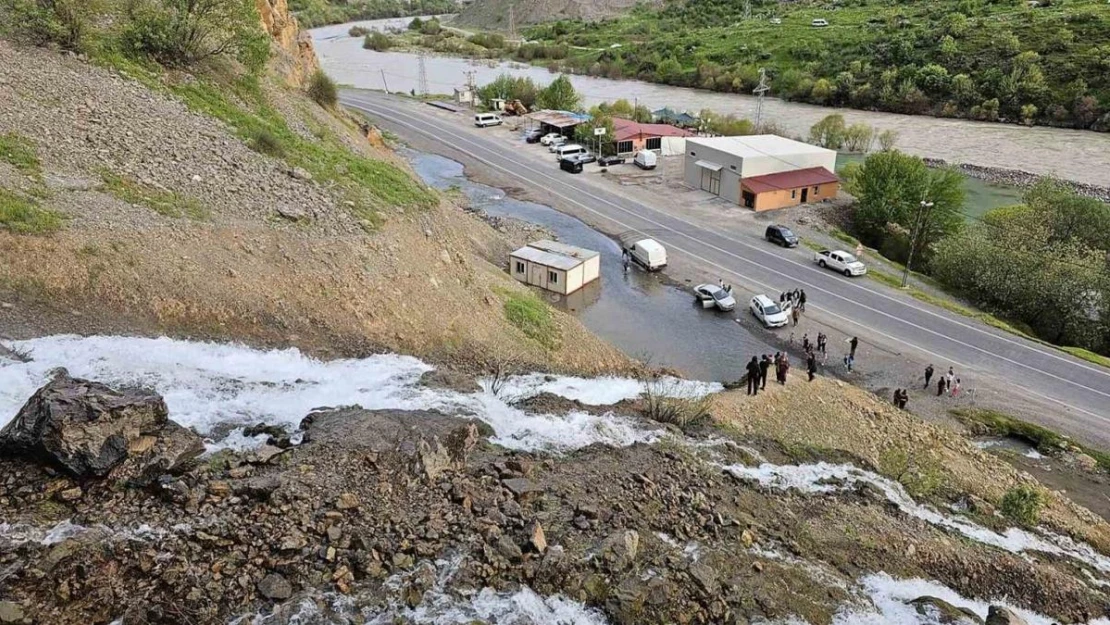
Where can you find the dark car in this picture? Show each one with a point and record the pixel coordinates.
(533, 136)
(606, 161)
(571, 164)
(781, 235)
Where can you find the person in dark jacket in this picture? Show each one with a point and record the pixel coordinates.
(753, 376)
(811, 366)
(904, 398)
(854, 343)
(802, 300)
(764, 365)
(928, 375)
(940, 386)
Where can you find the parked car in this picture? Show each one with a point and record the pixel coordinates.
(713, 296)
(776, 20)
(768, 312)
(482, 120)
(556, 143)
(533, 136)
(571, 164)
(781, 235)
(587, 157)
(819, 23)
(648, 253)
(606, 161)
(645, 159)
(551, 136)
(840, 261)
(569, 149)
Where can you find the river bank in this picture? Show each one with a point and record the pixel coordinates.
(1079, 156)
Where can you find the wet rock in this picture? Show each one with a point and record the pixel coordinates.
(620, 548)
(999, 615)
(508, 549)
(10, 612)
(277, 435)
(450, 380)
(945, 612)
(522, 488)
(90, 429)
(276, 587)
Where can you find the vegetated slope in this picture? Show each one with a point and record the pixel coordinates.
(494, 14)
(1045, 64)
(313, 13)
(136, 201)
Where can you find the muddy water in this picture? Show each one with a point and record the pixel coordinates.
(1072, 154)
(637, 311)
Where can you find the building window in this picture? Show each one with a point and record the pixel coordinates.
(624, 147)
(655, 143)
(793, 193)
(693, 153)
(732, 167)
(519, 267)
(815, 189)
(553, 277)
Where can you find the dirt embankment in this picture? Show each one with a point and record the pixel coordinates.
(270, 257)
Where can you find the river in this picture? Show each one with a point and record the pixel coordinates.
(1078, 155)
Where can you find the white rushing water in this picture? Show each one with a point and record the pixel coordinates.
(826, 478)
(208, 384)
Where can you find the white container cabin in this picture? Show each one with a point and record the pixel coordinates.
(555, 266)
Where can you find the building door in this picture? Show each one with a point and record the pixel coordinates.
(749, 199)
(711, 181)
(535, 276)
(805, 195)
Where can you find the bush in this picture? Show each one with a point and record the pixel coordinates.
(488, 40)
(358, 31)
(377, 41)
(265, 142)
(666, 403)
(1023, 504)
(181, 33)
(322, 89)
(41, 22)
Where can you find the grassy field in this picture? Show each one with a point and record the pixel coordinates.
(949, 57)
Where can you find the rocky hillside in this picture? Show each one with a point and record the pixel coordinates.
(143, 201)
(494, 14)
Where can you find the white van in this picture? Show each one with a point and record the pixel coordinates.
(482, 120)
(645, 159)
(648, 253)
(819, 23)
(569, 149)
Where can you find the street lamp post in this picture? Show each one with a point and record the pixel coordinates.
(917, 227)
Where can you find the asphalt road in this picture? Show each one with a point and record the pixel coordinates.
(1079, 390)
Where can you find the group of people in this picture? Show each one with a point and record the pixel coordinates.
(947, 383)
(795, 301)
(759, 367)
(901, 397)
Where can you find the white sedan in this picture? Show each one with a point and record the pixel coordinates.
(768, 312)
(549, 137)
(713, 296)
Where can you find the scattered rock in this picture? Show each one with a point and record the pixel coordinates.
(508, 549)
(522, 488)
(451, 380)
(292, 213)
(946, 613)
(620, 548)
(347, 501)
(432, 458)
(747, 538)
(10, 612)
(300, 173)
(276, 587)
(706, 577)
(998, 615)
(90, 429)
(537, 540)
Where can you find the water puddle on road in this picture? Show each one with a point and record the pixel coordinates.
(636, 312)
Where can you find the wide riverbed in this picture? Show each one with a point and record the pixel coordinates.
(1076, 155)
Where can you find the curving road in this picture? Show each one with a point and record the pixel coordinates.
(1080, 391)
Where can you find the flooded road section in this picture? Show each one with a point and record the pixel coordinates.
(637, 312)
(1078, 155)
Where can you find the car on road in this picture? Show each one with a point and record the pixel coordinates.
(819, 23)
(713, 296)
(840, 261)
(607, 161)
(574, 162)
(645, 159)
(768, 312)
(533, 136)
(551, 136)
(482, 120)
(649, 253)
(569, 149)
(781, 235)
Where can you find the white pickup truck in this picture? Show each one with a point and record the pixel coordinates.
(840, 261)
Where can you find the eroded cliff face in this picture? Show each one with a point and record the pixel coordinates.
(297, 60)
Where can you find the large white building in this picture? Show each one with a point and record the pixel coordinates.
(718, 164)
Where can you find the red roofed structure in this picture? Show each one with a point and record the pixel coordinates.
(788, 188)
(631, 137)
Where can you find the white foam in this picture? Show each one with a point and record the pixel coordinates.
(824, 478)
(603, 391)
(523, 607)
(208, 384)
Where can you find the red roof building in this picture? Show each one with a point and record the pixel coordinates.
(632, 137)
(788, 188)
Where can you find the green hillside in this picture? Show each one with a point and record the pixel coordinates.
(1008, 61)
(313, 13)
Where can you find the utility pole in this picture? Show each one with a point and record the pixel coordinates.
(918, 225)
(512, 24)
(470, 87)
(760, 91)
(422, 77)
(384, 83)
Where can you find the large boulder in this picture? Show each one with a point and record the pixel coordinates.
(92, 430)
(999, 615)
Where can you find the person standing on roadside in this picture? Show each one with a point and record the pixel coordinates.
(822, 342)
(802, 300)
(928, 375)
(805, 342)
(848, 362)
(785, 368)
(940, 386)
(955, 390)
(794, 313)
(854, 343)
(949, 378)
(811, 366)
(753, 376)
(764, 365)
(904, 398)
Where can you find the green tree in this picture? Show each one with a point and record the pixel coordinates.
(322, 89)
(377, 41)
(584, 133)
(181, 33)
(642, 114)
(622, 108)
(822, 91)
(887, 139)
(559, 95)
(829, 132)
(890, 188)
(859, 138)
(509, 87)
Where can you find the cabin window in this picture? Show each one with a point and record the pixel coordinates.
(624, 147)
(519, 267)
(553, 277)
(793, 193)
(815, 189)
(655, 143)
(693, 153)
